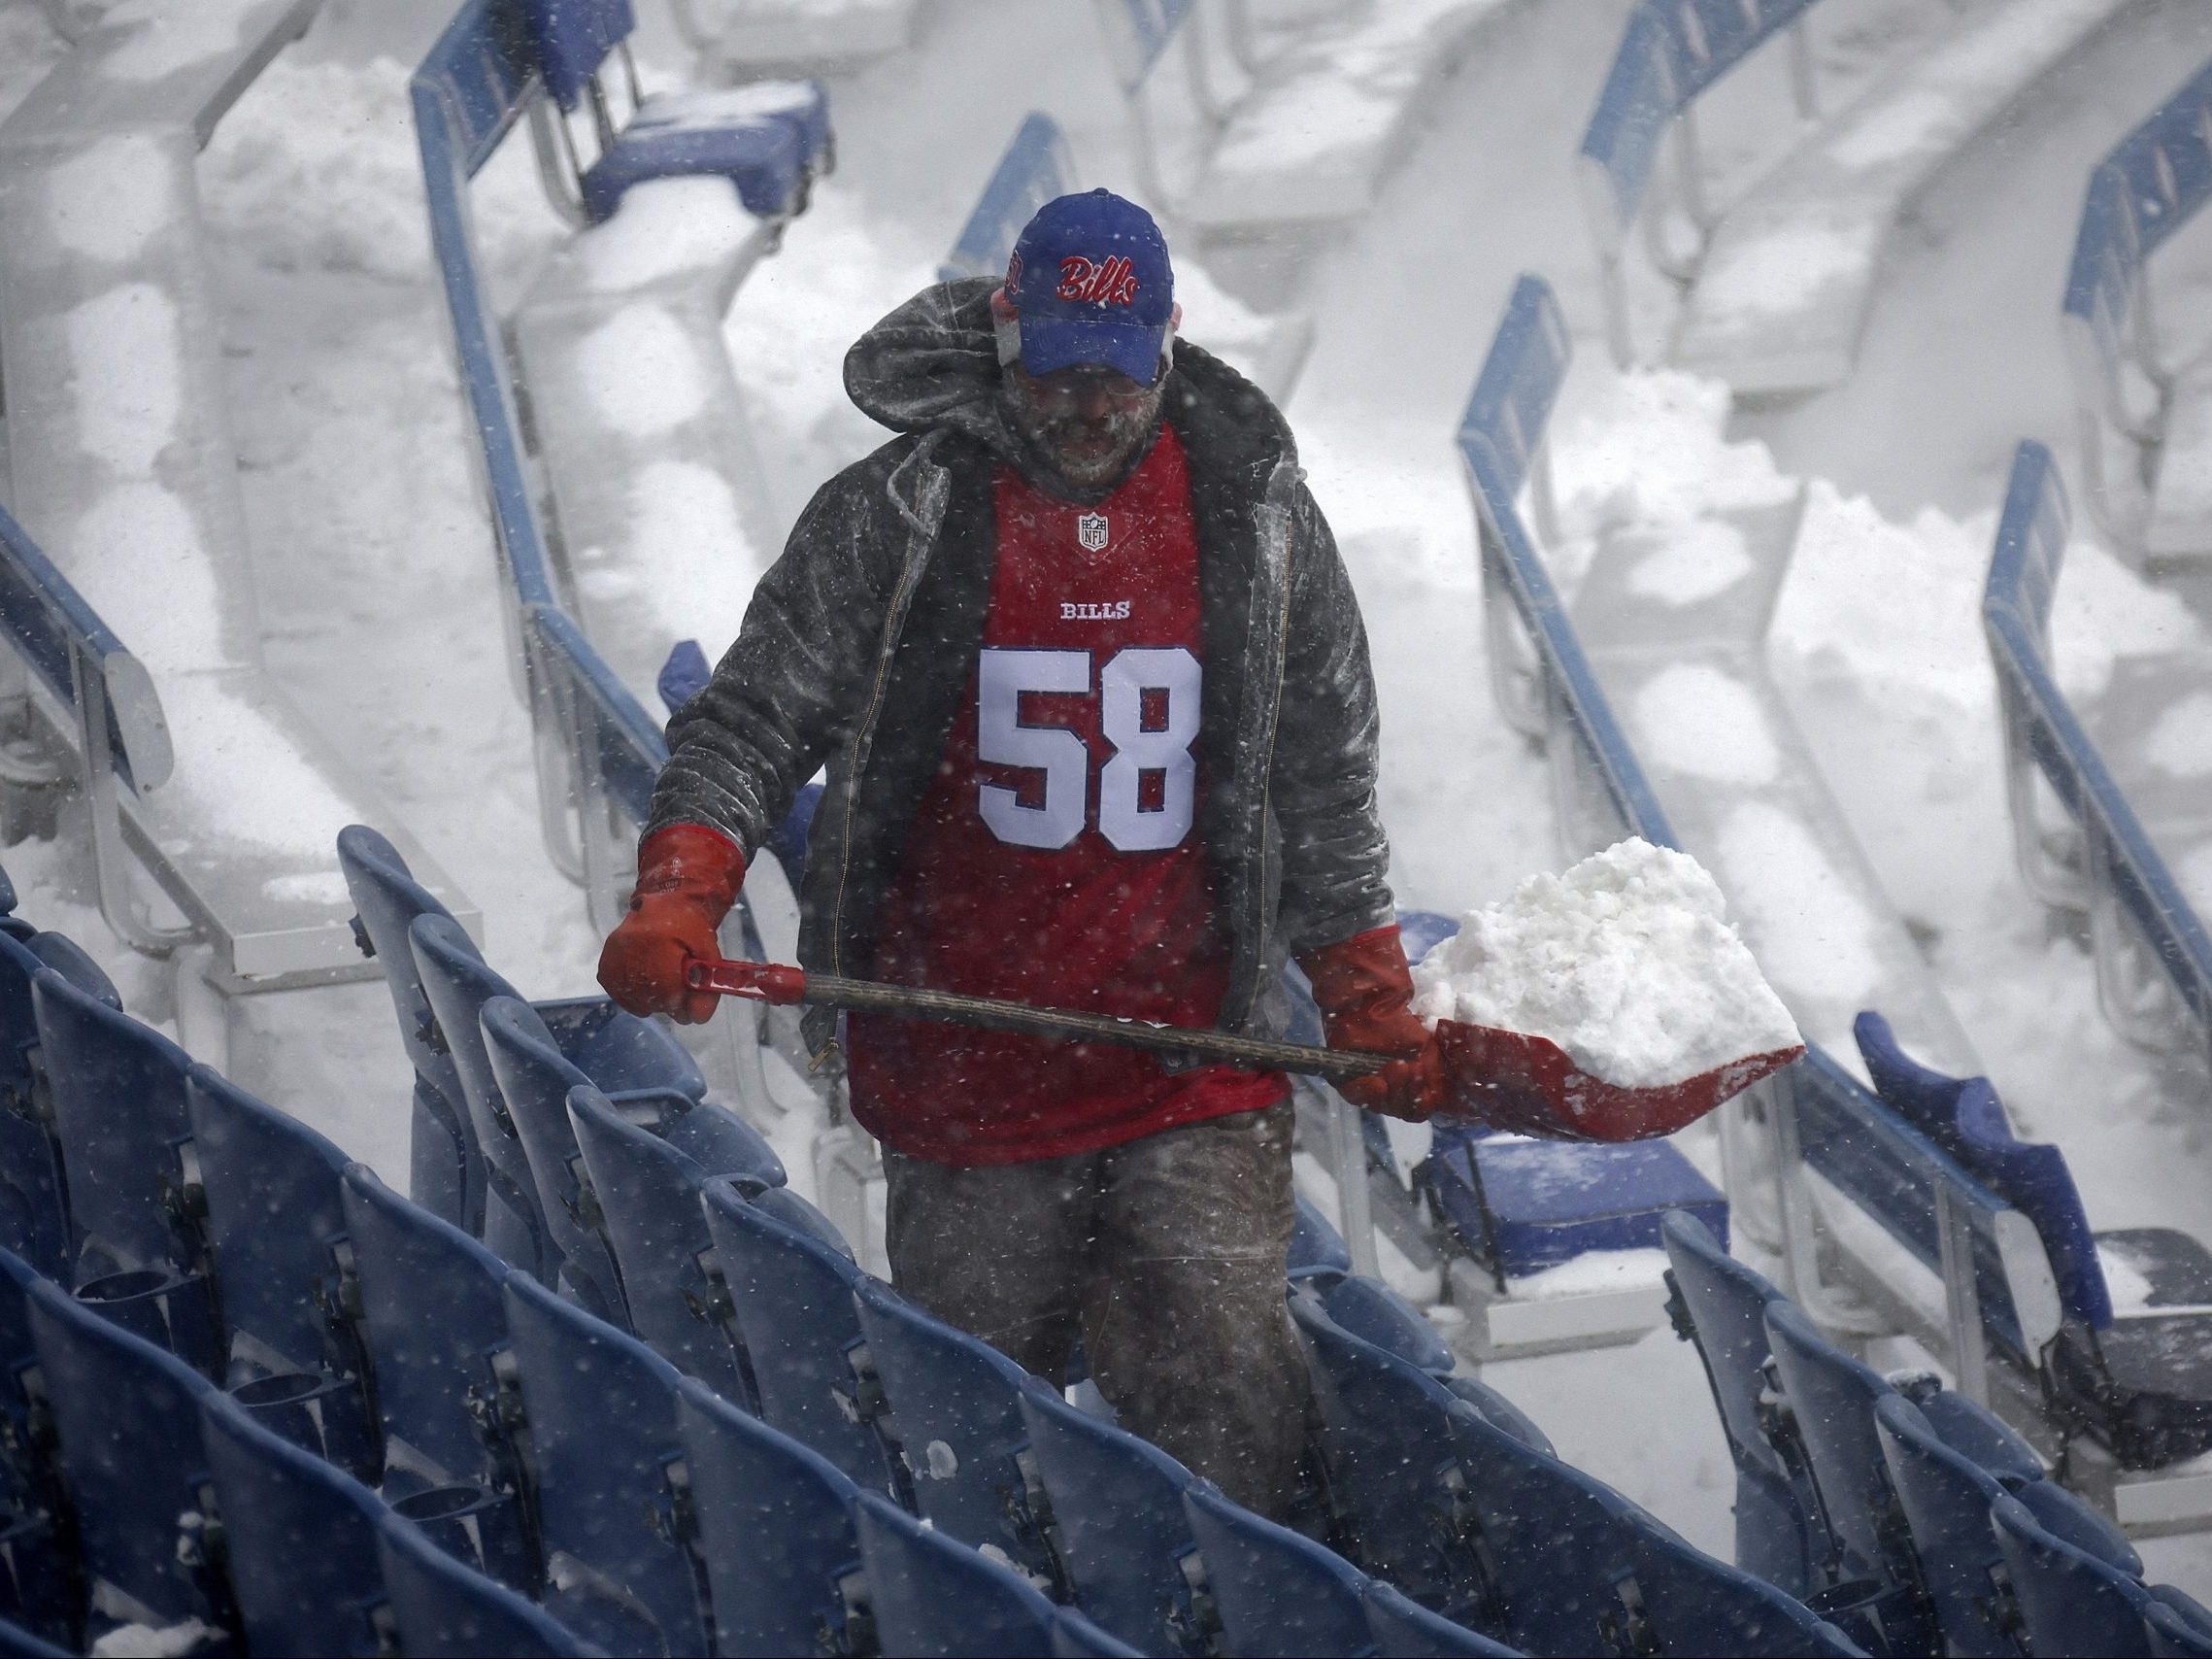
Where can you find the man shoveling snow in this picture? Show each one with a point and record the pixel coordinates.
(1094, 695)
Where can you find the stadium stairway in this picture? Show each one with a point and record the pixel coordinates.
(1774, 287)
(2110, 810)
(136, 501)
(2146, 419)
(1278, 114)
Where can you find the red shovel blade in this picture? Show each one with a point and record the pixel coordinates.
(1513, 1080)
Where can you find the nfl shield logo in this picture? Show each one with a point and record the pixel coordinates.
(1091, 532)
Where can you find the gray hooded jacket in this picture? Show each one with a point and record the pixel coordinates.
(858, 643)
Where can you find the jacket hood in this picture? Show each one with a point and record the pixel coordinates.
(932, 365)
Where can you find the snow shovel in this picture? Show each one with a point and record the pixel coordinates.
(1502, 1079)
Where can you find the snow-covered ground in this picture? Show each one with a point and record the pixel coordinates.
(379, 596)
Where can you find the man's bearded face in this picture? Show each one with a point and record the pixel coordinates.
(1086, 421)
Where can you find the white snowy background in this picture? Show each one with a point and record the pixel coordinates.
(375, 563)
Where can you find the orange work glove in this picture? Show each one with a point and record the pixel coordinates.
(688, 878)
(1365, 994)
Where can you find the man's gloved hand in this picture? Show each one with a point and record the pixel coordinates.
(1365, 994)
(688, 878)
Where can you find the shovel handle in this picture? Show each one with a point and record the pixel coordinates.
(782, 986)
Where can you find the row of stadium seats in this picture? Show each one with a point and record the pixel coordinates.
(766, 1497)
(1917, 1518)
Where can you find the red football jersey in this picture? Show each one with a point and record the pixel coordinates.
(1057, 859)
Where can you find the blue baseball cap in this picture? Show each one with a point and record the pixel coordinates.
(1090, 280)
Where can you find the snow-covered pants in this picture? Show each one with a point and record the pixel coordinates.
(1167, 1255)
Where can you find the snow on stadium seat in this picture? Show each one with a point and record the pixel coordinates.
(2140, 1379)
(1278, 1591)
(1784, 289)
(1392, 1466)
(34, 1214)
(276, 1222)
(650, 1157)
(818, 35)
(791, 1292)
(117, 1088)
(444, 1164)
(38, 1587)
(775, 1526)
(1524, 1205)
(954, 1399)
(1316, 1246)
(767, 139)
(1117, 1509)
(600, 1415)
(125, 1417)
(2069, 1601)
(430, 1302)
(300, 1537)
(441, 1606)
(1720, 1304)
(932, 1594)
(1831, 1398)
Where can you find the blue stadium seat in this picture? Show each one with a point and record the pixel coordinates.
(1681, 1601)
(444, 1165)
(126, 1417)
(38, 1581)
(1720, 1305)
(1404, 1629)
(768, 144)
(1831, 1397)
(933, 1595)
(1374, 1312)
(1552, 1542)
(1521, 1205)
(1316, 1246)
(1116, 1508)
(1945, 1500)
(437, 1328)
(599, 1409)
(117, 1088)
(776, 1532)
(299, 1537)
(534, 1080)
(645, 1180)
(440, 1606)
(34, 1214)
(2070, 1603)
(276, 1219)
(1278, 1591)
(2143, 1382)
(2177, 1633)
(1074, 1637)
(793, 1295)
(1392, 1468)
(18, 1643)
(954, 1398)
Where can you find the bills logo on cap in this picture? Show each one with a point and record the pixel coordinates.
(1091, 532)
(1111, 280)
